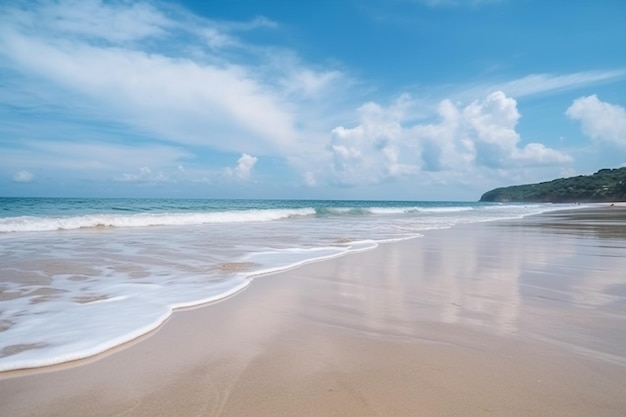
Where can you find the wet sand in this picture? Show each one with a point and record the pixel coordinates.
(516, 318)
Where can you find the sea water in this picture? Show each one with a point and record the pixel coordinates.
(81, 276)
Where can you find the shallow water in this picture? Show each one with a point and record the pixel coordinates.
(80, 276)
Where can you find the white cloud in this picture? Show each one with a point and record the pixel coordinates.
(89, 156)
(309, 83)
(387, 144)
(535, 84)
(601, 121)
(159, 69)
(113, 22)
(178, 99)
(145, 175)
(539, 154)
(23, 176)
(490, 126)
(244, 167)
(309, 179)
(370, 152)
(541, 83)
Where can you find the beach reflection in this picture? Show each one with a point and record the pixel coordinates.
(445, 277)
(524, 278)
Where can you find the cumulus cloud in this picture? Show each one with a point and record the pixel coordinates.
(539, 154)
(244, 167)
(370, 152)
(601, 121)
(489, 125)
(23, 176)
(387, 144)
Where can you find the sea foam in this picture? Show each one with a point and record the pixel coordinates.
(39, 224)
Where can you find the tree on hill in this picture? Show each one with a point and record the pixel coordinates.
(606, 185)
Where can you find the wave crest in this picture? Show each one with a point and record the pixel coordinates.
(40, 224)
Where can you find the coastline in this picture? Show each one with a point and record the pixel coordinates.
(458, 322)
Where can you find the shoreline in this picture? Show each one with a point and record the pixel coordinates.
(78, 359)
(445, 324)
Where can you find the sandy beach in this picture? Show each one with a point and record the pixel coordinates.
(513, 318)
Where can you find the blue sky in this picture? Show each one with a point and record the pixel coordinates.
(348, 99)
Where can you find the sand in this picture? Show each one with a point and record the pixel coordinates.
(517, 318)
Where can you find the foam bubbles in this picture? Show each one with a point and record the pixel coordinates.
(39, 224)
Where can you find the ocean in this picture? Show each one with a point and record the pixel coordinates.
(81, 276)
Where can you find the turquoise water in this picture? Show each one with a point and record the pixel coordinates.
(39, 214)
(80, 276)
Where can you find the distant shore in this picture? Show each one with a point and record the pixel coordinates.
(605, 186)
(524, 318)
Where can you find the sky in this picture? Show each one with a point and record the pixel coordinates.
(332, 99)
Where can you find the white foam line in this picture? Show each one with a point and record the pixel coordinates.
(14, 363)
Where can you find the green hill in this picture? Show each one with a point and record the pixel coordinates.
(606, 185)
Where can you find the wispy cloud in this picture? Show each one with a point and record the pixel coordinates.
(132, 62)
(145, 175)
(545, 83)
(23, 176)
(535, 84)
(91, 159)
